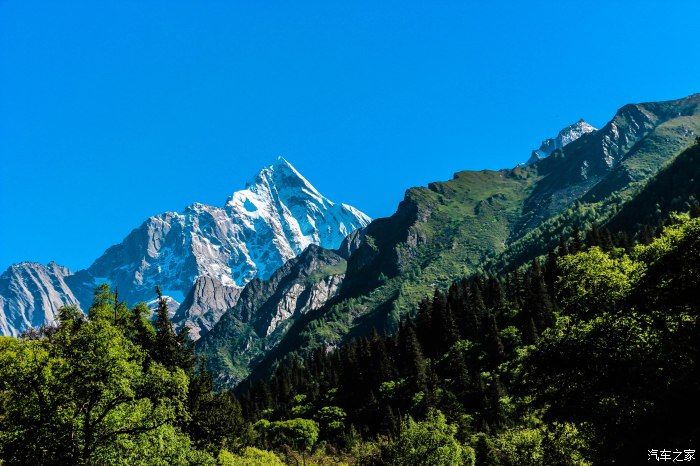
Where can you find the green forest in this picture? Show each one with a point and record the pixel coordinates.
(588, 355)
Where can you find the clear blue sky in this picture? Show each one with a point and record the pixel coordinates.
(114, 111)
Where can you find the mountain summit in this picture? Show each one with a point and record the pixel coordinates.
(281, 213)
(565, 136)
(272, 220)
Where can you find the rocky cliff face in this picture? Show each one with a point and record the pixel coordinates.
(31, 294)
(267, 308)
(204, 305)
(276, 217)
(636, 142)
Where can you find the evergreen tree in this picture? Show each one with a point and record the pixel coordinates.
(444, 331)
(415, 366)
(537, 298)
(169, 348)
(492, 341)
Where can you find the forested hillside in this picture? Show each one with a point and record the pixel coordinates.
(576, 360)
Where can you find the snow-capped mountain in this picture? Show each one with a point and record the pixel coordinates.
(273, 219)
(565, 136)
(276, 216)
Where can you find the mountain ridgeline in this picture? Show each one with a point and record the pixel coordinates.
(491, 221)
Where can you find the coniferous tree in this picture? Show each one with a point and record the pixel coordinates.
(444, 329)
(166, 342)
(593, 237)
(606, 239)
(424, 326)
(380, 355)
(415, 366)
(551, 271)
(576, 244)
(563, 247)
(646, 235)
(537, 298)
(493, 343)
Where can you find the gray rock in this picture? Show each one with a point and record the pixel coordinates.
(31, 295)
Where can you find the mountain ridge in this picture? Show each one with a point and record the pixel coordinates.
(454, 228)
(274, 218)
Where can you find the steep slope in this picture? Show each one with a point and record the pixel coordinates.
(492, 220)
(631, 147)
(31, 294)
(204, 305)
(595, 195)
(276, 217)
(266, 309)
(676, 188)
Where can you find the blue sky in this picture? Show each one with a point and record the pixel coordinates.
(114, 111)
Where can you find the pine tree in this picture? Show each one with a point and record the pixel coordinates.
(389, 424)
(593, 237)
(606, 239)
(424, 325)
(444, 331)
(492, 341)
(551, 271)
(380, 355)
(527, 326)
(646, 235)
(166, 346)
(622, 240)
(415, 365)
(576, 244)
(562, 248)
(537, 299)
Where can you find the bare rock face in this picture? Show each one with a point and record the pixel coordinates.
(266, 309)
(351, 242)
(31, 295)
(299, 299)
(205, 304)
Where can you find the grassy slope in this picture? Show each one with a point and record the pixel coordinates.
(657, 150)
(674, 188)
(458, 222)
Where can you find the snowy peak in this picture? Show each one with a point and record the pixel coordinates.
(279, 204)
(273, 219)
(566, 136)
(279, 180)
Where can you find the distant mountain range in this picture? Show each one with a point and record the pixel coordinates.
(201, 257)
